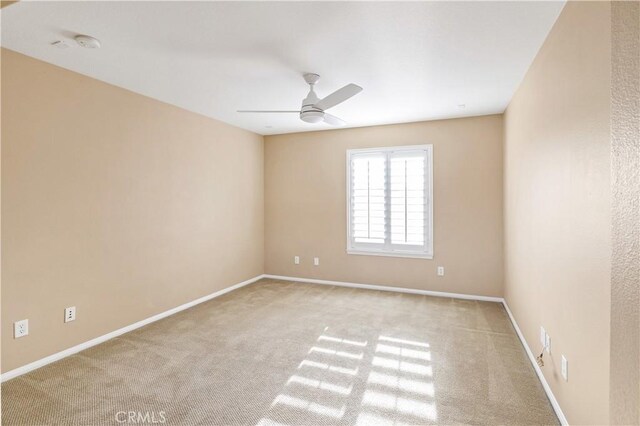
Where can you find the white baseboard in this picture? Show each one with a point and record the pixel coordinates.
(387, 288)
(75, 349)
(82, 346)
(536, 367)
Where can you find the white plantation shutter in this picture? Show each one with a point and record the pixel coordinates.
(390, 201)
(407, 197)
(368, 198)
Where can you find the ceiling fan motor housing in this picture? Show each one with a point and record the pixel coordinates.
(312, 115)
(308, 112)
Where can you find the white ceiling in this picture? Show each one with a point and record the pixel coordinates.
(415, 60)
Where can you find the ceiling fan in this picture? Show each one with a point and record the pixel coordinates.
(313, 109)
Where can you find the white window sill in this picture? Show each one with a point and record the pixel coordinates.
(391, 254)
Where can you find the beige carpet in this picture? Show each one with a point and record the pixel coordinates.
(278, 353)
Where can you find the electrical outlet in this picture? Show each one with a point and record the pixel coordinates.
(543, 337)
(70, 314)
(20, 328)
(547, 343)
(296, 260)
(316, 261)
(565, 369)
(441, 271)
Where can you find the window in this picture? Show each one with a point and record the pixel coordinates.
(390, 201)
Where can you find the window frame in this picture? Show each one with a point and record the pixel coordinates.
(387, 250)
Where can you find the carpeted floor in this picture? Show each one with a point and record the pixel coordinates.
(280, 353)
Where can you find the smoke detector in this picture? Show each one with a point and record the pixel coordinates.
(87, 42)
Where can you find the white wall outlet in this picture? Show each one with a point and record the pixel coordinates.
(296, 260)
(543, 337)
(547, 343)
(70, 314)
(20, 328)
(565, 369)
(316, 261)
(441, 271)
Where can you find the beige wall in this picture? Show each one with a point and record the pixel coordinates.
(625, 163)
(557, 207)
(4, 3)
(305, 206)
(117, 204)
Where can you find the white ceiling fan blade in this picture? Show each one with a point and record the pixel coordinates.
(338, 96)
(261, 111)
(333, 120)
